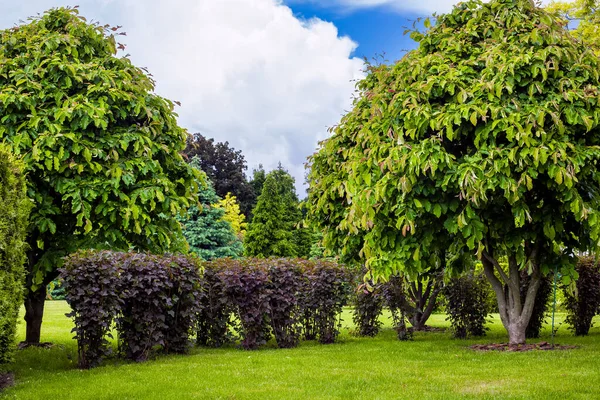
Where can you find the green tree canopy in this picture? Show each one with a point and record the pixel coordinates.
(101, 150)
(484, 140)
(208, 234)
(585, 16)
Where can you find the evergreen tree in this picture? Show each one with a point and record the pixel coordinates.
(209, 235)
(270, 232)
(233, 214)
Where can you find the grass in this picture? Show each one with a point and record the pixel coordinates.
(433, 366)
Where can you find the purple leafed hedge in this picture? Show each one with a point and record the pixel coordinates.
(152, 301)
(158, 303)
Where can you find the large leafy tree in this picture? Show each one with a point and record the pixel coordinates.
(485, 139)
(101, 150)
(225, 167)
(207, 232)
(584, 18)
(270, 232)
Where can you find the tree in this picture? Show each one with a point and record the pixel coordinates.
(586, 14)
(209, 235)
(14, 211)
(233, 215)
(270, 233)
(225, 167)
(101, 150)
(486, 137)
(258, 180)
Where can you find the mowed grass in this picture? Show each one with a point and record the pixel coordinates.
(433, 366)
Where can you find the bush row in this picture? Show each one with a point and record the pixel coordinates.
(157, 303)
(256, 299)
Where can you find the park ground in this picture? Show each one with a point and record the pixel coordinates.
(432, 366)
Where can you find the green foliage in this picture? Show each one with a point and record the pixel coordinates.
(101, 150)
(209, 235)
(586, 13)
(271, 230)
(484, 141)
(14, 211)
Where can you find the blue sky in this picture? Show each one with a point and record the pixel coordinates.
(377, 30)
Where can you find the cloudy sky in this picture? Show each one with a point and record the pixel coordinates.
(268, 76)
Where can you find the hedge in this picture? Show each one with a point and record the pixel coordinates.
(14, 215)
(151, 300)
(158, 303)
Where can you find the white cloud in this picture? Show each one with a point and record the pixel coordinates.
(245, 71)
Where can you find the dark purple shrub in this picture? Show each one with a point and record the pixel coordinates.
(215, 310)
(246, 287)
(284, 310)
(183, 305)
(395, 299)
(152, 299)
(368, 304)
(325, 291)
(91, 282)
(466, 305)
(584, 304)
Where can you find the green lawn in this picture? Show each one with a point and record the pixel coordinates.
(433, 366)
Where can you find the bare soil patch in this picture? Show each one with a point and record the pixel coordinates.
(519, 347)
(7, 379)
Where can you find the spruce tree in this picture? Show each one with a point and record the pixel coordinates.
(208, 234)
(270, 232)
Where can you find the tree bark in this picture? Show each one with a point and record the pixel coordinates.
(514, 313)
(424, 301)
(34, 313)
(34, 302)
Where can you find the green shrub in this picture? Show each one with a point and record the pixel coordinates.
(14, 213)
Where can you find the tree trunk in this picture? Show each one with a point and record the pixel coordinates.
(34, 301)
(514, 313)
(424, 300)
(34, 312)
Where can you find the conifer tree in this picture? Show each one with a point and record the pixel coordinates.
(209, 235)
(270, 232)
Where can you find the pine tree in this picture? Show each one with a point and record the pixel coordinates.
(270, 232)
(207, 232)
